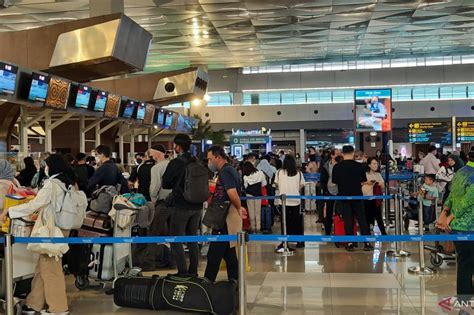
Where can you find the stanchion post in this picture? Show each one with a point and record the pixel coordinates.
(421, 270)
(242, 242)
(286, 251)
(398, 252)
(9, 307)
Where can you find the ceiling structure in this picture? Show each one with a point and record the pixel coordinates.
(238, 33)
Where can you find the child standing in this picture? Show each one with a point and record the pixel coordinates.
(427, 195)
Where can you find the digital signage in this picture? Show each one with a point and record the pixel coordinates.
(373, 110)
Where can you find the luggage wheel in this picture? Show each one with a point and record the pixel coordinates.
(82, 282)
(436, 260)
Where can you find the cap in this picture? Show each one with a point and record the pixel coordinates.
(159, 147)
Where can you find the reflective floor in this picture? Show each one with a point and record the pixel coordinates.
(320, 279)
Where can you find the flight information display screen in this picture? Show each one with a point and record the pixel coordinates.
(39, 88)
(83, 97)
(141, 109)
(100, 101)
(160, 118)
(129, 109)
(8, 74)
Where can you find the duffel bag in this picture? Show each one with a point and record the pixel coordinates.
(194, 294)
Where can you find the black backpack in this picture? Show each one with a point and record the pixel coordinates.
(196, 182)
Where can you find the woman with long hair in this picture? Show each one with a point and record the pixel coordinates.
(290, 181)
(254, 180)
(49, 285)
(374, 186)
(27, 174)
(7, 182)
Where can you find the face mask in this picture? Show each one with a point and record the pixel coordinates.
(139, 161)
(212, 167)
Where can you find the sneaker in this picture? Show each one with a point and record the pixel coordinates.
(350, 247)
(368, 247)
(28, 311)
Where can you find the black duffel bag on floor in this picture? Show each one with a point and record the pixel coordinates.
(197, 295)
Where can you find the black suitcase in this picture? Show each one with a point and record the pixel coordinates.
(197, 295)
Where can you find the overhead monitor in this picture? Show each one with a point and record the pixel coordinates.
(373, 110)
(113, 106)
(185, 124)
(169, 120)
(39, 88)
(8, 75)
(100, 101)
(83, 97)
(129, 109)
(141, 109)
(160, 117)
(149, 114)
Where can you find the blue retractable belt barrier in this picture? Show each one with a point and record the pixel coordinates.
(348, 198)
(401, 177)
(312, 177)
(252, 238)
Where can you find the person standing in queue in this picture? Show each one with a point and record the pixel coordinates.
(374, 186)
(228, 189)
(185, 216)
(349, 176)
(458, 217)
(329, 188)
(158, 194)
(143, 176)
(108, 174)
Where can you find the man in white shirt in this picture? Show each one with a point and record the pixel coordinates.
(430, 162)
(158, 195)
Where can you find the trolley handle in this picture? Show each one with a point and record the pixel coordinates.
(121, 207)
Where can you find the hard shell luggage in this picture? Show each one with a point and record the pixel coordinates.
(173, 293)
(101, 264)
(98, 222)
(339, 228)
(310, 190)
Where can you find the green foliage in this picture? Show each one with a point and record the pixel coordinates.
(204, 131)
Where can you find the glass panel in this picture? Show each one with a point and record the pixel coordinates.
(446, 92)
(459, 91)
(287, 98)
(312, 97)
(325, 97)
(431, 93)
(419, 93)
(338, 96)
(299, 97)
(274, 98)
(401, 94)
(247, 99)
(470, 89)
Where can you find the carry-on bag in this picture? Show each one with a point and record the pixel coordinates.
(340, 230)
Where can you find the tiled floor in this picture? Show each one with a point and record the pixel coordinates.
(320, 279)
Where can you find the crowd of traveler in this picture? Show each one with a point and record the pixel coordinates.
(161, 180)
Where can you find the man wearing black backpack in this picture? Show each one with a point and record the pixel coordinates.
(188, 180)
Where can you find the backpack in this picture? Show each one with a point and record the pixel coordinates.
(73, 209)
(196, 182)
(102, 199)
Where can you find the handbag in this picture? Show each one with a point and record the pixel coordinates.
(216, 214)
(47, 229)
(378, 192)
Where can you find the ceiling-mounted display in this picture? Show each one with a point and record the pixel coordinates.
(113, 106)
(149, 114)
(8, 75)
(430, 132)
(39, 88)
(100, 101)
(129, 108)
(170, 120)
(373, 110)
(160, 115)
(141, 108)
(83, 97)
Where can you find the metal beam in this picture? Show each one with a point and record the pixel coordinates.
(93, 125)
(82, 134)
(40, 116)
(159, 132)
(48, 143)
(24, 130)
(61, 120)
(107, 127)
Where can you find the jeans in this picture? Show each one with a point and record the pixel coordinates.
(465, 269)
(427, 214)
(254, 208)
(217, 252)
(185, 222)
(354, 209)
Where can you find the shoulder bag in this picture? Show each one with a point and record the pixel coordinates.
(216, 214)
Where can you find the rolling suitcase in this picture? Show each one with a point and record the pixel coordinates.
(339, 229)
(310, 190)
(173, 293)
(101, 265)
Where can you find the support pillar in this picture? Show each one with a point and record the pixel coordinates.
(82, 134)
(150, 137)
(132, 142)
(454, 132)
(121, 142)
(302, 144)
(24, 131)
(48, 143)
(97, 135)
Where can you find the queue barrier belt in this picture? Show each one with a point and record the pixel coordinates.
(347, 198)
(251, 238)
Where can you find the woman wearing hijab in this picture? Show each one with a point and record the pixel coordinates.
(446, 173)
(7, 181)
(49, 285)
(27, 174)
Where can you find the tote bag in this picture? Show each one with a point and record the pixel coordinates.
(47, 229)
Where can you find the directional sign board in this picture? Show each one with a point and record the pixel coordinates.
(465, 131)
(430, 132)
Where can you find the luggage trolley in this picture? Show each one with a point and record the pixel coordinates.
(24, 266)
(110, 261)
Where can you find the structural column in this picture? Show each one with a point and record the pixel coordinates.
(302, 143)
(48, 143)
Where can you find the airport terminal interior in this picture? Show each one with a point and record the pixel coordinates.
(236, 157)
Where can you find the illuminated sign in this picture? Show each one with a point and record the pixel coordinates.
(429, 132)
(465, 131)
